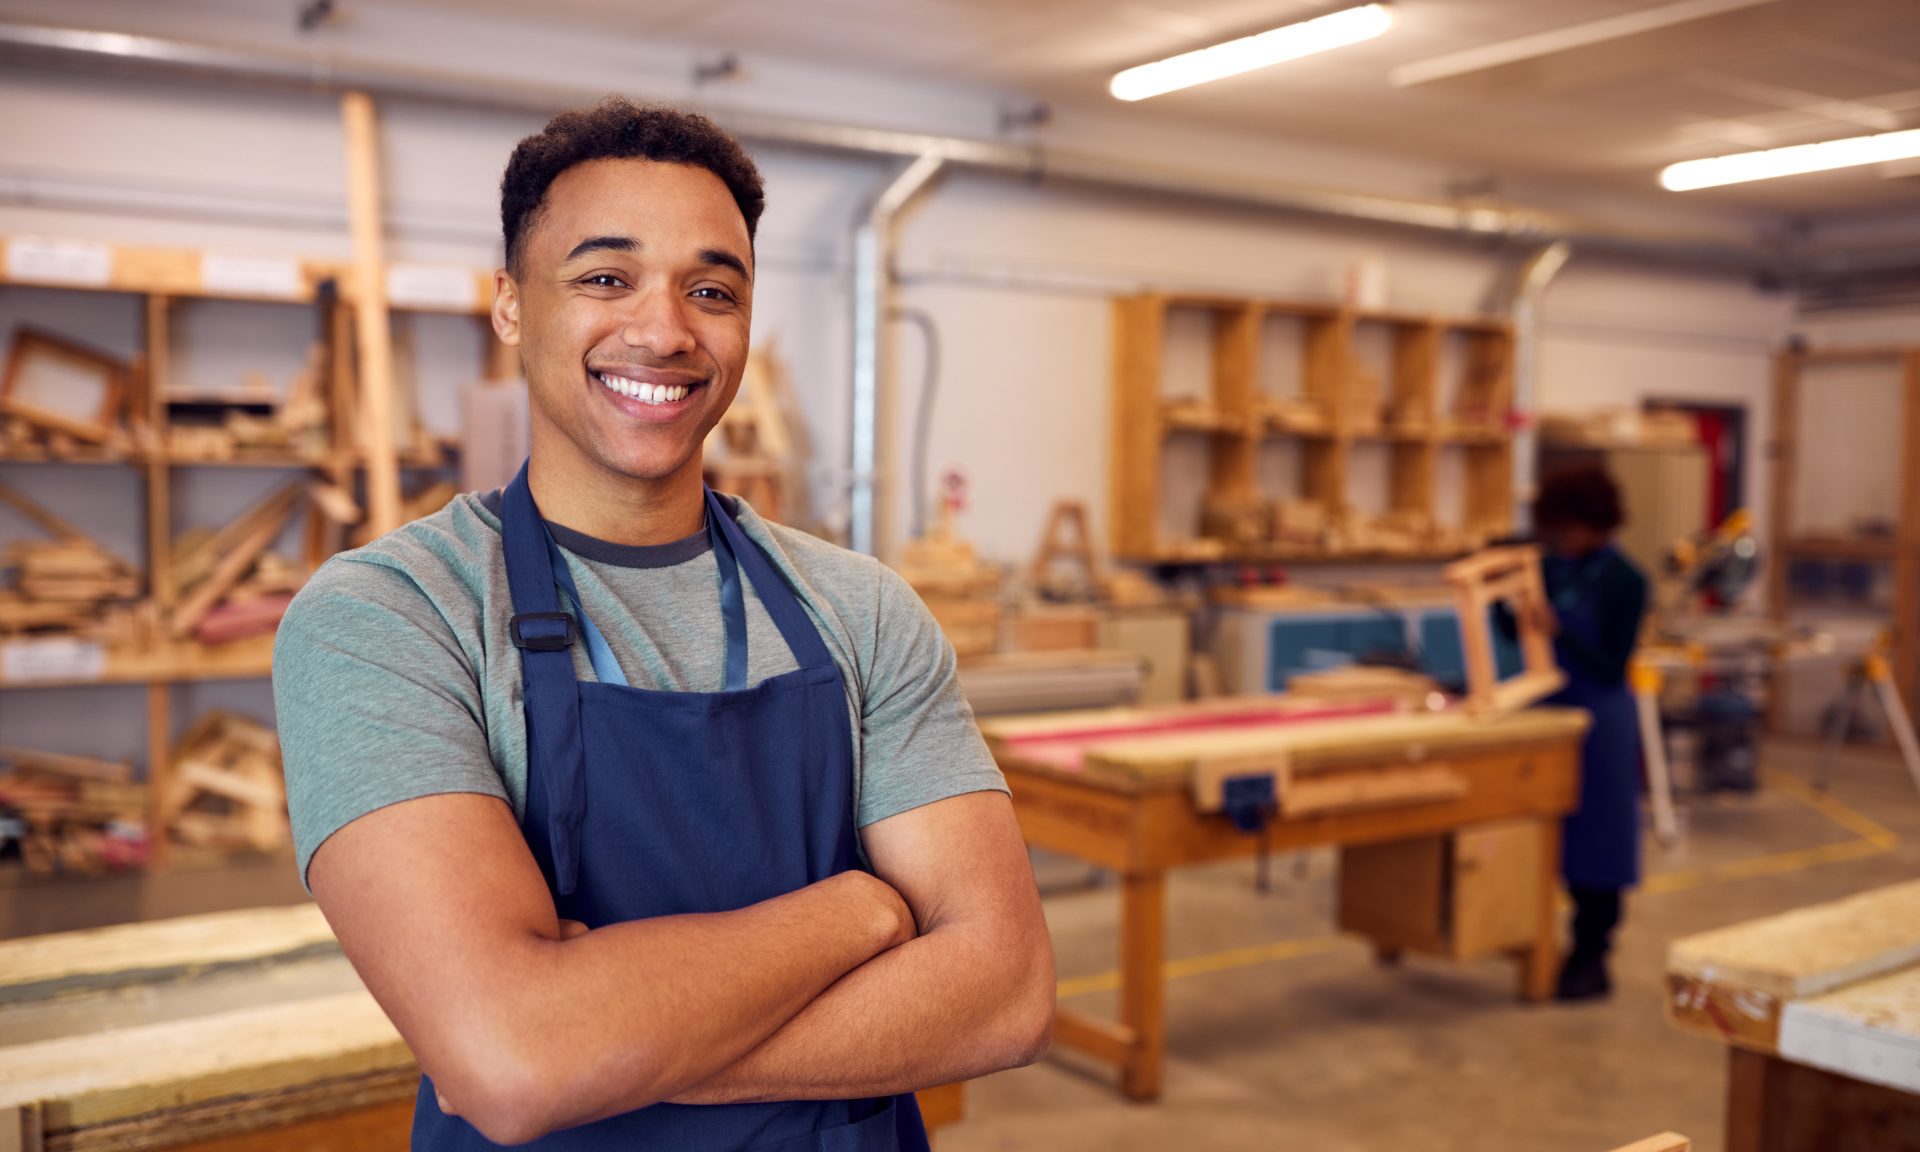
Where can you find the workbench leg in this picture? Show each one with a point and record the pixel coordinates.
(1143, 949)
(1746, 1100)
(1540, 963)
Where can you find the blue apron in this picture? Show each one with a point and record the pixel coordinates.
(1601, 846)
(645, 803)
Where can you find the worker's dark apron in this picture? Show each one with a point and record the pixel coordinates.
(644, 803)
(1602, 837)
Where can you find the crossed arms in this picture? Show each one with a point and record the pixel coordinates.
(936, 968)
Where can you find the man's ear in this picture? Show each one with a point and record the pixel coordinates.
(506, 308)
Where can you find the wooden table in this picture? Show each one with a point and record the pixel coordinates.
(232, 1032)
(1820, 1012)
(1116, 788)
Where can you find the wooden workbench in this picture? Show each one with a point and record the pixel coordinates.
(1116, 788)
(1820, 1012)
(231, 1032)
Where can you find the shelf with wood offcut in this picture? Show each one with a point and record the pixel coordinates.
(1290, 396)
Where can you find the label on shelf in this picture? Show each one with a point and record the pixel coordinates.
(276, 276)
(432, 286)
(53, 260)
(55, 658)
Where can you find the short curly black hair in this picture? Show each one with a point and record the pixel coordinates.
(618, 129)
(1584, 494)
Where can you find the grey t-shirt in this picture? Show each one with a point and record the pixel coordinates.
(394, 676)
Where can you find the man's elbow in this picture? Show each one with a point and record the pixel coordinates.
(517, 1095)
(1026, 1026)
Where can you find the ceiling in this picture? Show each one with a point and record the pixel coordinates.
(1774, 73)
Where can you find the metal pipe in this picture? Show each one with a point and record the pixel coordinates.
(329, 75)
(1535, 275)
(872, 283)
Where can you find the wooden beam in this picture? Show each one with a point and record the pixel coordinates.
(1139, 324)
(231, 570)
(373, 327)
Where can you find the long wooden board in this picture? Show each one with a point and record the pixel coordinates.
(38, 967)
(1733, 983)
(104, 1076)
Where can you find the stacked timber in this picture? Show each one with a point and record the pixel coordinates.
(230, 585)
(71, 813)
(69, 583)
(228, 789)
(295, 424)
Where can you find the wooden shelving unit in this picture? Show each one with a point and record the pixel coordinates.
(355, 458)
(1901, 550)
(1335, 410)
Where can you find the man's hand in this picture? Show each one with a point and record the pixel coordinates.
(527, 1023)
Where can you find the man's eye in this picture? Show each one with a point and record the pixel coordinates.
(605, 280)
(711, 294)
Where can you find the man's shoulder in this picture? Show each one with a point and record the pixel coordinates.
(434, 561)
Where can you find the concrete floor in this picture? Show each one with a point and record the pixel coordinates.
(1331, 1052)
(1326, 1050)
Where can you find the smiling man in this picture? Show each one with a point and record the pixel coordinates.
(649, 823)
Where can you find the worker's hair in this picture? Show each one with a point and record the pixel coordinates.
(618, 129)
(1580, 495)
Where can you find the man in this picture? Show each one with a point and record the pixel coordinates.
(584, 772)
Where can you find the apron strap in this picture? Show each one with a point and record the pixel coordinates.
(776, 595)
(606, 669)
(552, 691)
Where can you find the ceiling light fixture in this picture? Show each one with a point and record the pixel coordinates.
(1334, 30)
(1743, 166)
(1562, 40)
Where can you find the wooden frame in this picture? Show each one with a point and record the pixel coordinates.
(1509, 576)
(1336, 410)
(94, 418)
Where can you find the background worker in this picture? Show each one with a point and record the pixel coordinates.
(1599, 598)
(587, 774)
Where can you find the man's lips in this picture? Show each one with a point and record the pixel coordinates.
(643, 392)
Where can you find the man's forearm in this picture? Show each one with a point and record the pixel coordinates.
(948, 1006)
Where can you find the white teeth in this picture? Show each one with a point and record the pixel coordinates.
(645, 393)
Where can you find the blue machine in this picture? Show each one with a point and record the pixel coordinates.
(1315, 641)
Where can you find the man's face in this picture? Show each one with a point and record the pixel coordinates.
(631, 310)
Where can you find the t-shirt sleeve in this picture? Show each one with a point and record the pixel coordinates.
(377, 702)
(919, 742)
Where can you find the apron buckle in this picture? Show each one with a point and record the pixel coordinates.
(544, 636)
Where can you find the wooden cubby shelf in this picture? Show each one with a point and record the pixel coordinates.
(1342, 401)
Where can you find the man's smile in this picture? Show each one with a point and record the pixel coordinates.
(652, 394)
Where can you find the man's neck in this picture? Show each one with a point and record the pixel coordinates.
(580, 494)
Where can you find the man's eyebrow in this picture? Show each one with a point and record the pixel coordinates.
(603, 244)
(726, 259)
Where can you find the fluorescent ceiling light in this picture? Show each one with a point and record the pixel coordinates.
(1562, 39)
(1335, 30)
(1742, 166)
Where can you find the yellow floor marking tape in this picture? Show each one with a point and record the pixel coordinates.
(1217, 962)
(1874, 838)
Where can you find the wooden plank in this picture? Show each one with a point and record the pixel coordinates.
(1353, 791)
(1906, 583)
(1664, 1142)
(37, 967)
(1808, 951)
(1102, 1039)
(1236, 363)
(1143, 949)
(128, 1072)
(372, 326)
(1138, 335)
